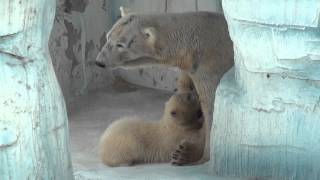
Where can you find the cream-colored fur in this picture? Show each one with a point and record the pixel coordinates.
(184, 83)
(133, 140)
(196, 42)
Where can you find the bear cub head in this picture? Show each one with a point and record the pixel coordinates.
(184, 110)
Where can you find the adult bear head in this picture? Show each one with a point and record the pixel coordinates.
(132, 41)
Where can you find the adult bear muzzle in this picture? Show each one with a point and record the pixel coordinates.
(99, 60)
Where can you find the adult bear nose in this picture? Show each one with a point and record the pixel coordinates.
(100, 64)
(99, 60)
(101, 57)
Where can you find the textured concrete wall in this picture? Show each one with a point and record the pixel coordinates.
(267, 109)
(34, 134)
(159, 77)
(76, 38)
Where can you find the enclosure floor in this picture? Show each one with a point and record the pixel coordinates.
(89, 116)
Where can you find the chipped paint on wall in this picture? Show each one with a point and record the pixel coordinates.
(34, 133)
(267, 107)
(77, 36)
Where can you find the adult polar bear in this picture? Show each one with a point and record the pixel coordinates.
(196, 42)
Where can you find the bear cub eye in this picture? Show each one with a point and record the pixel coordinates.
(189, 97)
(199, 113)
(173, 113)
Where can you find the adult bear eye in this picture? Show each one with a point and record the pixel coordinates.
(120, 45)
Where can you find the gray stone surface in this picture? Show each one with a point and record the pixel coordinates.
(181, 5)
(267, 110)
(34, 134)
(210, 5)
(77, 36)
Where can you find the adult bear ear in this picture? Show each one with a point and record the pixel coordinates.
(150, 34)
(124, 11)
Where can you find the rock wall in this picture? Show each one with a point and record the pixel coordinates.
(77, 36)
(267, 109)
(34, 134)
